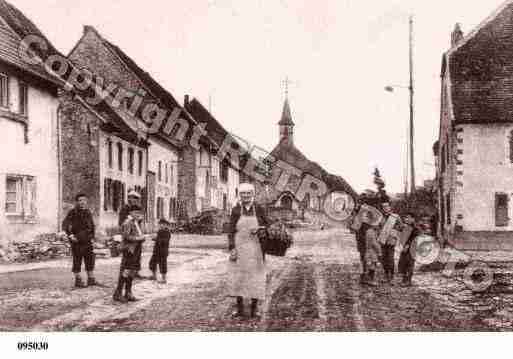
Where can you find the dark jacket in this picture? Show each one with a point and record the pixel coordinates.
(237, 211)
(162, 242)
(79, 222)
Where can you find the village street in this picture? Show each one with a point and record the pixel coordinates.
(314, 288)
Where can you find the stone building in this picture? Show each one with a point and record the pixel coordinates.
(29, 164)
(168, 189)
(216, 181)
(475, 143)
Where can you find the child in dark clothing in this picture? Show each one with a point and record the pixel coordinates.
(407, 258)
(161, 251)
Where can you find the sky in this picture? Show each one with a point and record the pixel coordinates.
(338, 55)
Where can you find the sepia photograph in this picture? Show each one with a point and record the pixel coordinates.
(337, 166)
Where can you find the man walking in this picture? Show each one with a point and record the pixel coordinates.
(80, 229)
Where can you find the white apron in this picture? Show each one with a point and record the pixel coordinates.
(247, 275)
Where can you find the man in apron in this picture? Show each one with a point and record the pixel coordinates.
(246, 269)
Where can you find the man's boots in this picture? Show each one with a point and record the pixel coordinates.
(254, 308)
(371, 278)
(118, 294)
(128, 290)
(79, 283)
(240, 308)
(91, 281)
(153, 275)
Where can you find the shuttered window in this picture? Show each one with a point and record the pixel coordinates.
(21, 196)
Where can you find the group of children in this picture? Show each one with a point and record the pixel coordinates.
(377, 247)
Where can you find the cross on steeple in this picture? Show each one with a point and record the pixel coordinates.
(286, 84)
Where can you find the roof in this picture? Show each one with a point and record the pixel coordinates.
(479, 70)
(14, 28)
(148, 81)
(286, 117)
(213, 128)
(290, 154)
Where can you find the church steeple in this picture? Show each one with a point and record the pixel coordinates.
(286, 124)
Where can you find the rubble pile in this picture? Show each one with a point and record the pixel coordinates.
(44, 246)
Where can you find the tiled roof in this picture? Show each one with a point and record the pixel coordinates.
(481, 71)
(158, 91)
(15, 27)
(213, 128)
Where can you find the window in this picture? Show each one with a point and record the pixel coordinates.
(140, 160)
(4, 91)
(160, 207)
(20, 196)
(501, 209)
(167, 174)
(160, 171)
(224, 165)
(171, 174)
(23, 105)
(109, 153)
(120, 156)
(131, 160)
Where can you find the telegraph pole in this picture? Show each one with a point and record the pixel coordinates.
(412, 164)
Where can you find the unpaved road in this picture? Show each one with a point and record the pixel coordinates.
(314, 288)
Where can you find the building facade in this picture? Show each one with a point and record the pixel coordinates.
(216, 180)
(164, 153)
(102, 158)
(475, 145)
(29, 165)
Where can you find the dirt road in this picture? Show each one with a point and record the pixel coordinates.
(314, 288)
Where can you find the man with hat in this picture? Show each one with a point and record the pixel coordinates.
(133, 204)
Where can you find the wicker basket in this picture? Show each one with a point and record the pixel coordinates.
(275, 240)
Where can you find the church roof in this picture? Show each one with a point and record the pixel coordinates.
(286, 117)
(290, 154)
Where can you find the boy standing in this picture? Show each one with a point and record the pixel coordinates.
(131, 248)
(372, 255)
(161, 251)
(407, 259)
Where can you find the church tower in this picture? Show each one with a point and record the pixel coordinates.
(286, 124)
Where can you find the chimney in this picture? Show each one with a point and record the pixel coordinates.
(457, 35)
(186, 101)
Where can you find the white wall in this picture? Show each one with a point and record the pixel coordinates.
(109, 218)
(38, 158)
(167, 155)
(486, 171)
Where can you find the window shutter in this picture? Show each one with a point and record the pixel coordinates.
(33, 202)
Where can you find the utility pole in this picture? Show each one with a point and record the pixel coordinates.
(412, 164)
